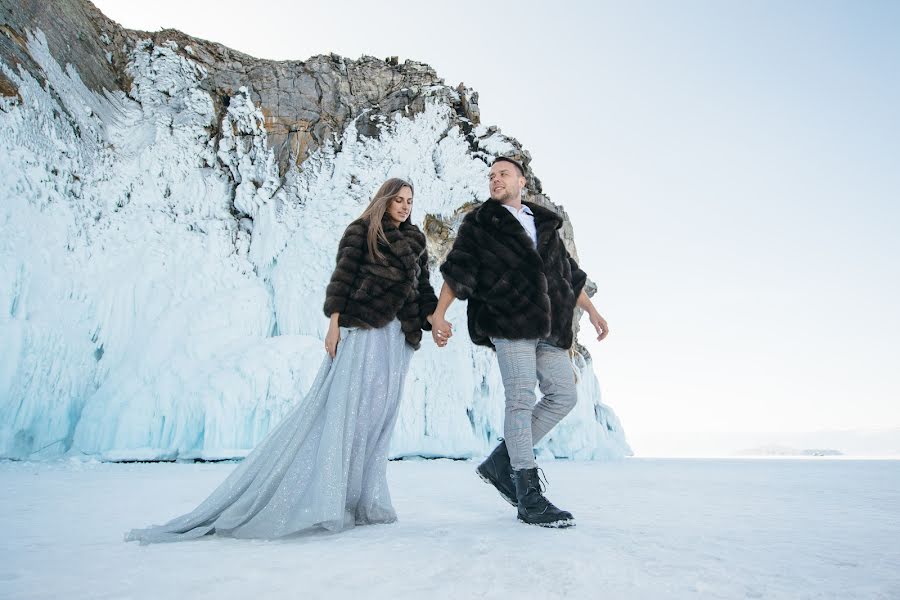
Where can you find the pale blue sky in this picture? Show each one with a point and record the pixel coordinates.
(732, 170)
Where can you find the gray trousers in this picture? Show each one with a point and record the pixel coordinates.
(523, 364)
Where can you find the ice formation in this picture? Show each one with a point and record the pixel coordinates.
(161, 286)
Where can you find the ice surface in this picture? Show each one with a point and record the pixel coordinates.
(161, 287)
(646, 529)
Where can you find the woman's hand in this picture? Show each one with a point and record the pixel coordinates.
(333, 337)
(441, 329)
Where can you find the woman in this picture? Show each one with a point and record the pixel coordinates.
(324, 466)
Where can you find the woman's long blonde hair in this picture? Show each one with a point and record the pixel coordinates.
(376, 209)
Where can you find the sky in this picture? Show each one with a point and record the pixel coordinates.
(731, 169)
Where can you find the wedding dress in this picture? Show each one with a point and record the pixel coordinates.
(324, 465)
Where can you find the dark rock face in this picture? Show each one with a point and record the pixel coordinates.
(307, 102)
(304, 102)
(8, 89)
(77, 33)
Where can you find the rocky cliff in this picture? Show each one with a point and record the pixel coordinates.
(174, 208)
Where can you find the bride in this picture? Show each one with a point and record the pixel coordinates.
(324, 466)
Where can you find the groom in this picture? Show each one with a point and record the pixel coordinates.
(522, 287)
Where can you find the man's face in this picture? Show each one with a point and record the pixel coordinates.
(505, 182)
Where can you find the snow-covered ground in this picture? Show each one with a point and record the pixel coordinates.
(647, 528)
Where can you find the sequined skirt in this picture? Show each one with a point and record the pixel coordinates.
(324, 465)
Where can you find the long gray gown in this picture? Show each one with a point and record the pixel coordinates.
(324, 466)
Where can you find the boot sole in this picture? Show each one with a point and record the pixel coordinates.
(488, 481)
(561, 524)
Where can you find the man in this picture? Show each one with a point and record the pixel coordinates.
(522, 287)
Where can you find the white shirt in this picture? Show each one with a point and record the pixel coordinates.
(526, 218)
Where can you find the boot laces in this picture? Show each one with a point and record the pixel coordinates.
(542, 481)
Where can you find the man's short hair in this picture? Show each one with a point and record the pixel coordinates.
(510, 160)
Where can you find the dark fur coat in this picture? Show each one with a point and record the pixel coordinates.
(514, 290)
(370, 292)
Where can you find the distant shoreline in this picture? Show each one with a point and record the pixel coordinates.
(734, 457)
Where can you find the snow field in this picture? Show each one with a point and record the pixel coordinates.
(791, 529)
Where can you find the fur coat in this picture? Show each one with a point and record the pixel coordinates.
(514, 290)
(370, 292)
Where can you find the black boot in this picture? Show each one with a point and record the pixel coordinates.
(496, 471)
(534, 508)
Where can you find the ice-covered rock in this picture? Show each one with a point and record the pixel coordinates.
(169, 224)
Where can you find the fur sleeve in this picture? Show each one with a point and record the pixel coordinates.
(460, 269)
(351, 251)
(427, 297)
(579, 277)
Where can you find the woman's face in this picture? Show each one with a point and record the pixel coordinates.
(400, 206)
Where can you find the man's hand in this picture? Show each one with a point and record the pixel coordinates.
(599, 324)
(441, 329)
(597, 321)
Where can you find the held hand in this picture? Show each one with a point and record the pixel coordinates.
(600, 325)
(332, 339)
(441, 330)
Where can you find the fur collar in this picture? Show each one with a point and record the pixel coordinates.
(406, 242)
(492, 214)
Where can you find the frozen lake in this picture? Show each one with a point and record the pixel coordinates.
(647, 528)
